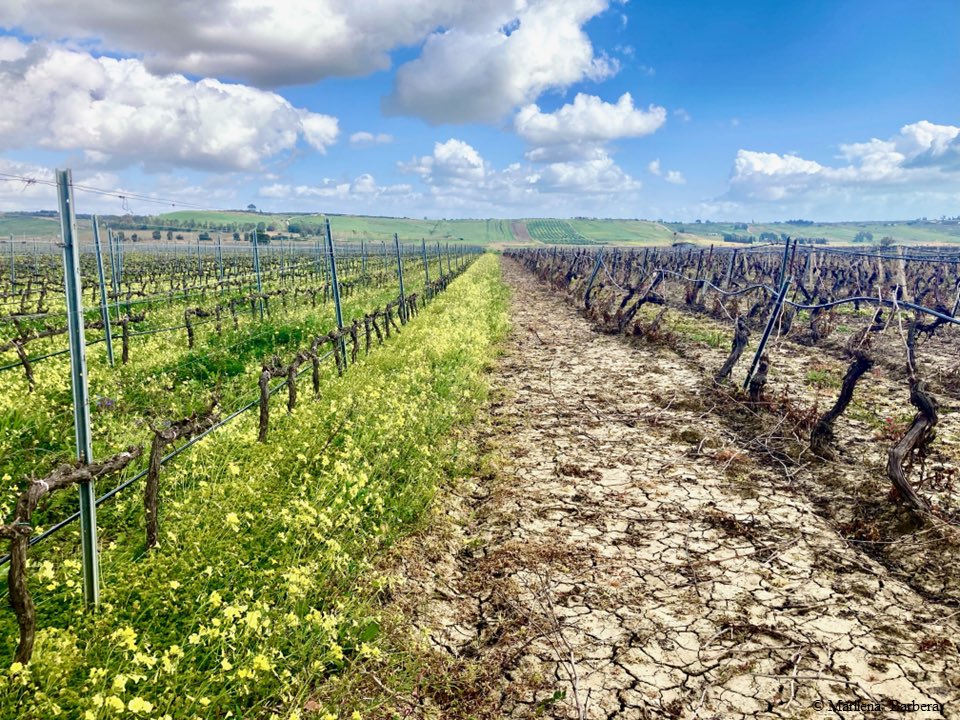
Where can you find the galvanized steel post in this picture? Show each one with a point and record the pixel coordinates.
(771, 321)
(219, 260)
(104, 308)
(426, 268)
(78, 368)
(403, 297)
(336, 287)
(256, 269)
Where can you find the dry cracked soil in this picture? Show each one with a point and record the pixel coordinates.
(630, 559)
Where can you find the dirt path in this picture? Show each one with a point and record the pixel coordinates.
(631, 562)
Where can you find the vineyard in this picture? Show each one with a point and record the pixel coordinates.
(898, 312)
(555, 232)
(764, 479)
(722, 475)
(200, 445)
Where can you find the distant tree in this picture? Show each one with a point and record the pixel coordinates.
(294, 228)
(887, 241)
(169, 234)
(236, 236)
(251, 208)
(863, 236)
(271, 228)
(156, 235)
(261, 227)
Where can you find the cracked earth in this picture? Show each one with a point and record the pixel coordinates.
(629, 560)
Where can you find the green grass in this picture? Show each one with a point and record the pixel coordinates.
(263, 588)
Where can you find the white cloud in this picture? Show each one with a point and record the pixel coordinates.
(34, 188)
(458, 175)
(482, 73)
(364, 188)
(453, 161)
(682, 115)
(586, 120)
(570, 143)
(367, 138)
(916, 172)
(118, 113)
(266, 42)
(922, 154)
(671, 176)
(597, 175)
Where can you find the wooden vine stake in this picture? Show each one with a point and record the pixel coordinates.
(18, 532)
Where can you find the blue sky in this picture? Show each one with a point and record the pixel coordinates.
(507, 108)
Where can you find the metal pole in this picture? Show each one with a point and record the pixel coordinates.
(319, 261)
(363, 258)
(219, 259)
(113, 272)
(426, 268)
(199, 263)
(771, 321)
(449, 271)
(78, 367)
(593, 277)
(104, 308)
(403, 297)
(256, 269)
(439, 260)
(13, 268)
(336, 287)
(783, 262)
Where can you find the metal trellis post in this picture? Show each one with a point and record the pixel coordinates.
(104, 308)
(771, 321)
(403, 297)
(426, 268)
(593, 277)
(113, 272)
(256, 269)
(219, 260)
(336, 287)
(78, 368)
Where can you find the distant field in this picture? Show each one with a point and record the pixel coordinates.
(18, 225)
(901, 232)
(555, 232)
(482, 232)
(499, 233)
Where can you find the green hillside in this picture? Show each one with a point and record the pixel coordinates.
(498, 232)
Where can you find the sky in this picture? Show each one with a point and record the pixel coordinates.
(752, 111)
